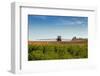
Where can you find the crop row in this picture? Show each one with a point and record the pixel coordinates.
(52, 51)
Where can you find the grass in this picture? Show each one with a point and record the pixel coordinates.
(57, 50)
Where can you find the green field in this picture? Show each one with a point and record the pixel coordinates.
(38, 50)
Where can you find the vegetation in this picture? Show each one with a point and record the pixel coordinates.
(57, 50)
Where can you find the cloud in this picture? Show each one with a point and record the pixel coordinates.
(73, 21)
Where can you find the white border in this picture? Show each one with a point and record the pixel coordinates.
(19, 38)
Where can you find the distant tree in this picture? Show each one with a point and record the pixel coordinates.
(59, 38)
(74, 38)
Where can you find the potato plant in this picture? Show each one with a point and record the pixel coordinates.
(52, 51)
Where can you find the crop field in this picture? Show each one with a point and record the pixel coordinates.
(51, 50)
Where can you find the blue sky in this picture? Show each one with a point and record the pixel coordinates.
(49, 27)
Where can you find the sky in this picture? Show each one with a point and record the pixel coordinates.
(49, 27)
